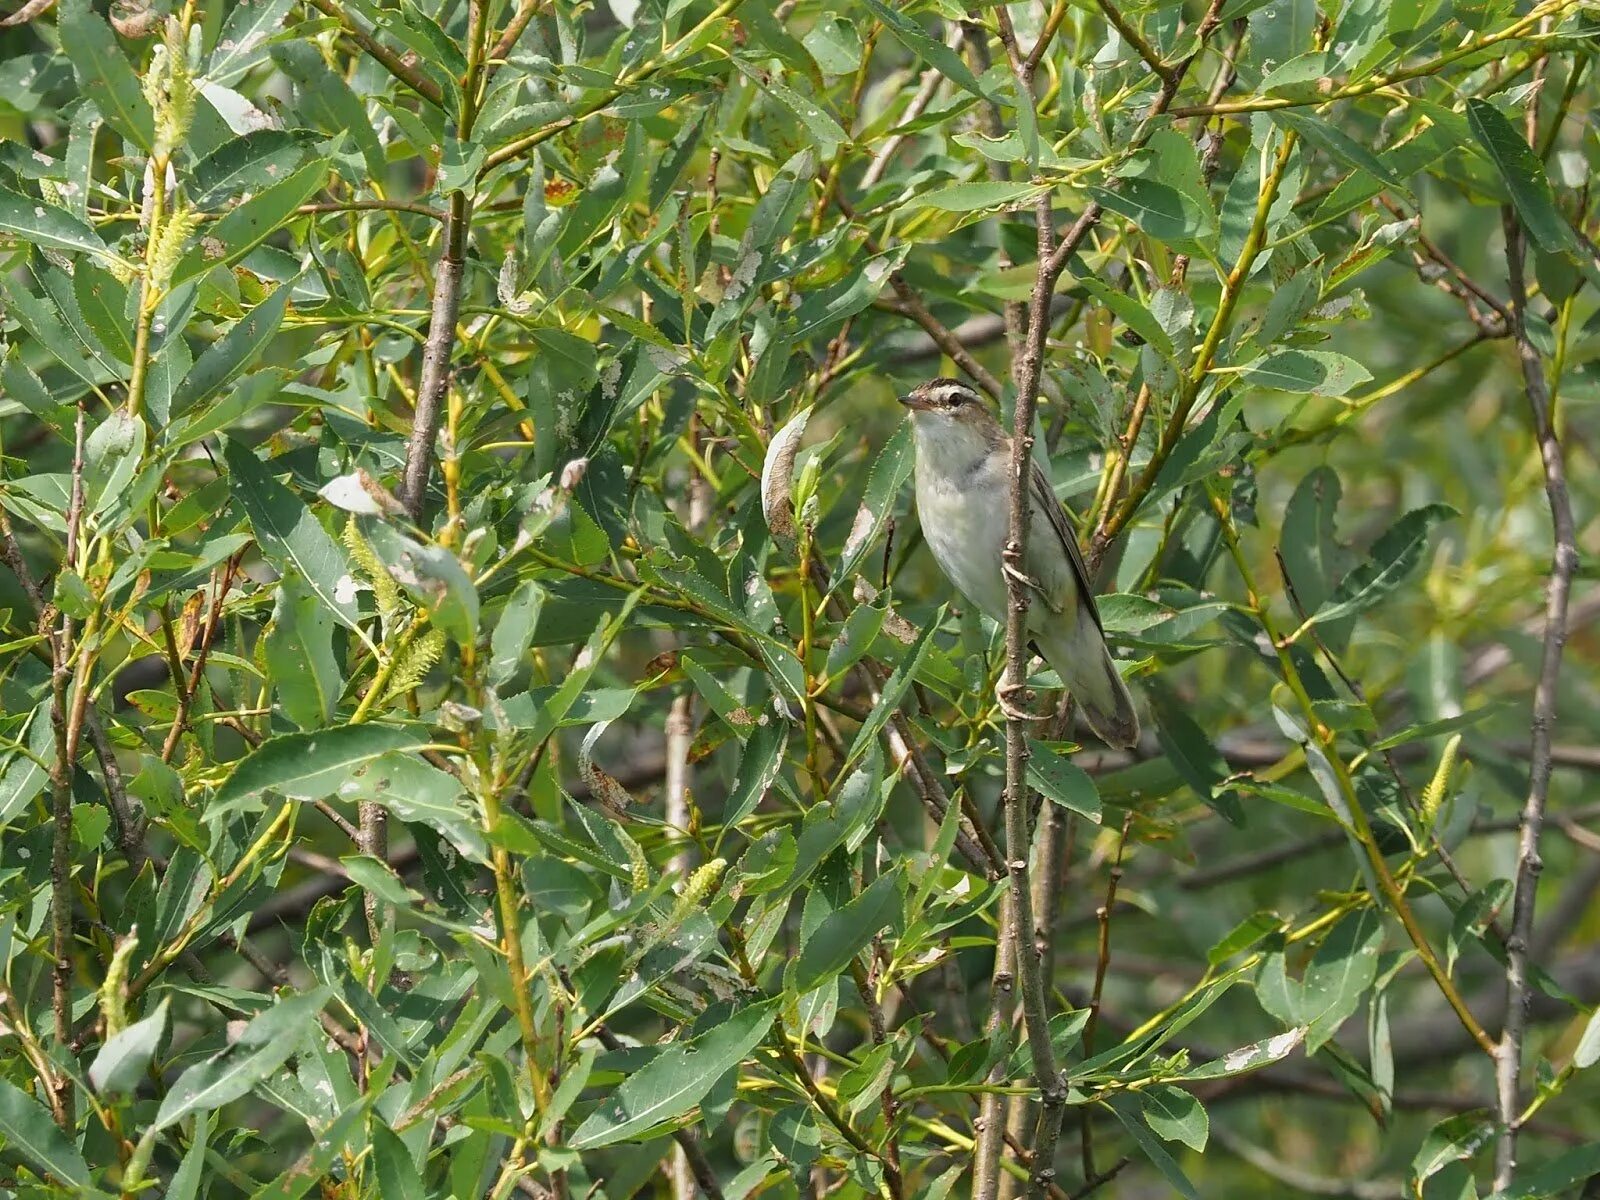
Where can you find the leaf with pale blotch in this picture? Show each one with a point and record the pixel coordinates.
(777, 479)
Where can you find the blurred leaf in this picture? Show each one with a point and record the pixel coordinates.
(1394, 557)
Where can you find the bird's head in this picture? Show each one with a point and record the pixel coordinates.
(950, 400)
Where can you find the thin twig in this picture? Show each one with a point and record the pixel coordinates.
(1508, 1066)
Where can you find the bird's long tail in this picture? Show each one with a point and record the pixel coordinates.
(1079, 655)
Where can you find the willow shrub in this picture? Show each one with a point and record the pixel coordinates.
(477, 714)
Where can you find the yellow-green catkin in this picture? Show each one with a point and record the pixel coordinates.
(415, 662)
(384, 589)
(114, 990)
(1439, 786)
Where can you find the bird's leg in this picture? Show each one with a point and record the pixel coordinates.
(1003, 697)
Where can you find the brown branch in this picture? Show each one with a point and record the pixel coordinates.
(402, 68)
(1508, 1067)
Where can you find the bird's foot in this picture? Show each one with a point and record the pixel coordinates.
(1020, 576)
(1003, 697)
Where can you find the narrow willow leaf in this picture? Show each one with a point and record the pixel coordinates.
(309, 766)
(42, 224)
(124, 1059)
(1523, 175)
(978, 196)
(244, 228)
(1176, 1116)
(845, 931)
(824, 130)
(104, 73)
(300, 657)
(675, 1080)
(226, 358)
(29, 1132)
(1554, 1177)
(1317, 372)
(1061, 781)
(927, 47)
(1129, 1112)
(260, 1049)
(289, 535)
(1340, 974)
(1394, 557)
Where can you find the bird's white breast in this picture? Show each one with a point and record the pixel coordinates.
(961, 504)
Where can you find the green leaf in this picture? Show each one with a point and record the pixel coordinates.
(824, 130)
(433, 577)
(29, 1132)
(1339, 975)
(887, 477)
(1250, 1058)
(1524, 177)
(102, 303)
(289, 536)
(1330, 138)
(1061, 781)
(978, 196)
(398, 1177)
(113, 454)
(226, 241)
(42, 224)
(261, 1048)
(309, 766)
(123, 1060)
(240, 42)
(226, 358)
(1129, 1112)
(927, 47)
(1555, 1176)
(1162, 190)
(1394, 557)
(675, 1080)
(1453, 1139)
(1314, 372)
(513, 632)
(104, 73)
(845, 931)
(894, 691)
(246, 163)
(1176, 1116)
(300, 658)
(1243, 935)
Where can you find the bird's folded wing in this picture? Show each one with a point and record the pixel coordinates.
(1056, 517)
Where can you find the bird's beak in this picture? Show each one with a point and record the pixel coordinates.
(914, 401)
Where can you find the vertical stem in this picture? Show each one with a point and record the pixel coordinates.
(1508, 1060)
(991, 1124)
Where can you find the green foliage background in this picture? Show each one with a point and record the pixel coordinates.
(625, 769)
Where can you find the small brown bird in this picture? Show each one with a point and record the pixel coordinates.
(963, 484)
